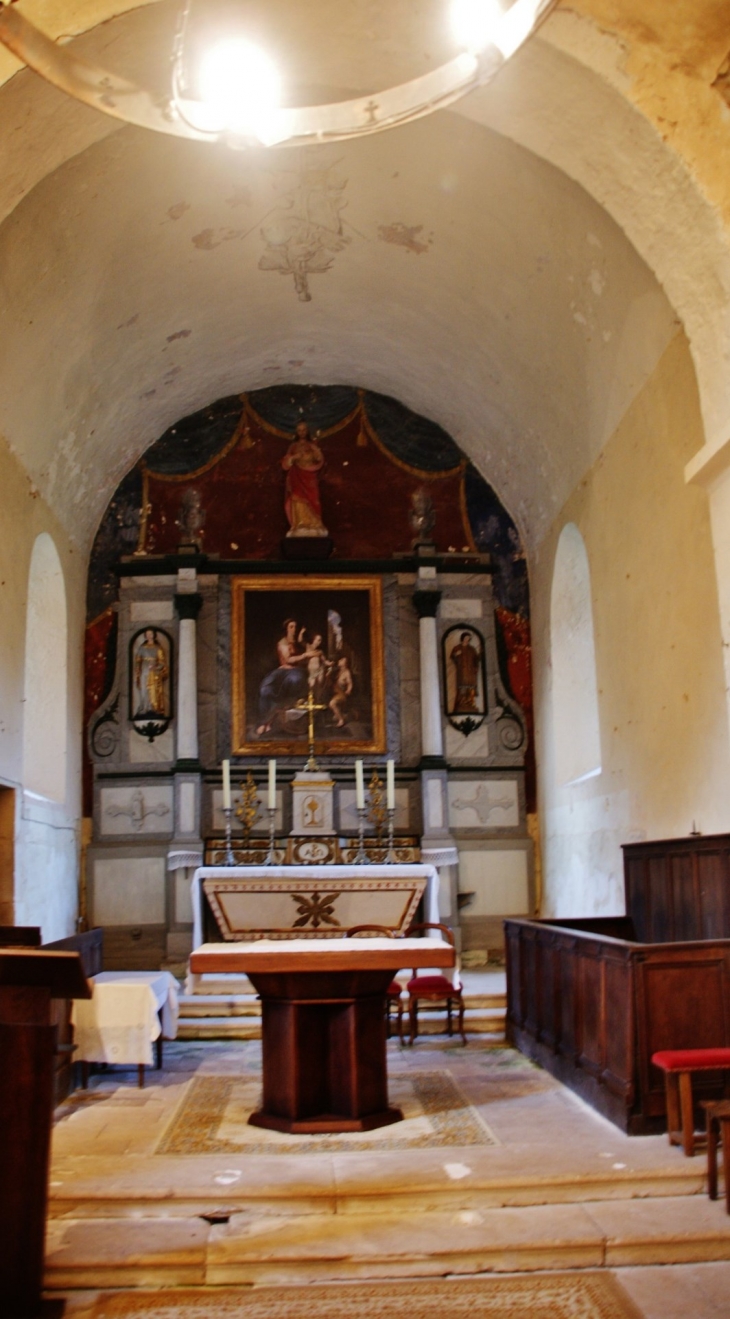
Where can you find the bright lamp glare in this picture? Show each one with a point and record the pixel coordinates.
(475, 22)
(241, 87)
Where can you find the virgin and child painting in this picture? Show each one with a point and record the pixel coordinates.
(301, 637)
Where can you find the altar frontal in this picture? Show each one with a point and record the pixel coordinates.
(252, 906)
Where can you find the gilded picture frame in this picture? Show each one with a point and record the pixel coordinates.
(297, 635)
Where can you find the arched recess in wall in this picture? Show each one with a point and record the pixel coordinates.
(46, 675)
(573, 652)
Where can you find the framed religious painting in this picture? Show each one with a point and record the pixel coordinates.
(307, 641)
(464, 677)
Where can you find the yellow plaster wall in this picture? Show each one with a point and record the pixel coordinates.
(46, 833)
(663, 716)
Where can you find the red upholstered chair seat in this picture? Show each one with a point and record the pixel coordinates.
(691, 1060)
(394, 990)
(429, 985)
(678, 1066)
(434, 987)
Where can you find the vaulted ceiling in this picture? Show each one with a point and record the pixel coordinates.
(513, 267)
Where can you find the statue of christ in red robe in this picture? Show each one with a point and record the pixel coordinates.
(302, 463)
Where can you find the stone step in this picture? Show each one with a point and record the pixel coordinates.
(222, 983)
(253, 1248)
(247, 1025)
(219, 1005)
(219, 1028)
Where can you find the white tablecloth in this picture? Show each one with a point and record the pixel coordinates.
(121, 1021)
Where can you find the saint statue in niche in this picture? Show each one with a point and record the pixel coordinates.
(302, 463)
(151, 673)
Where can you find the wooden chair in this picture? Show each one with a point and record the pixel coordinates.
(434, 989)
(717, 1113)
(678, 1066)
(394, 992)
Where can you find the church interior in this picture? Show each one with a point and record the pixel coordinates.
(365, 659)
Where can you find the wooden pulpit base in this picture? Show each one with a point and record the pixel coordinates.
(324, 1051)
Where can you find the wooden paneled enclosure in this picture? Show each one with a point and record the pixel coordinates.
(592, 1000)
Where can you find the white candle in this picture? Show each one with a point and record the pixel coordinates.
(226, 785)
(391, 785)
(359, 786)
(272, 785)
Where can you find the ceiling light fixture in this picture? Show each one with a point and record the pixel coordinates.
(236, 91)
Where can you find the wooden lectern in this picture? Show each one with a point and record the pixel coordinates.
(29, 981)
(323, 1024)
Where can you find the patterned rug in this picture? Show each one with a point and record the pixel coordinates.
(547, 1296)
(213, 1119)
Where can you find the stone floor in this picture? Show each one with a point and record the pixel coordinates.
(497, 1168)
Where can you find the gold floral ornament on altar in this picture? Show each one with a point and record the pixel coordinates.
(316, 910)
(225, 87)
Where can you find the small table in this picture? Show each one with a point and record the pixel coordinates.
(129, 1011)
(323, 1024)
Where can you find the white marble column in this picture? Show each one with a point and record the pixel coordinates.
(426, 602)
(437, 845)
(188, 605)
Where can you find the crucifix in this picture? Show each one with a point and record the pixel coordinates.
(310, 706)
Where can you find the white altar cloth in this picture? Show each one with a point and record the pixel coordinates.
(328, 874)
(121, 1021)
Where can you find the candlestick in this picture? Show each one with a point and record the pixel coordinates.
(390, 783)
(228, 812)
(226, 785)
(359, 786)
(361, 855)
(271, 858)
(272, 785)
(390, 857)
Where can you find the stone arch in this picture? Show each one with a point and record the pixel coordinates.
(45, 687)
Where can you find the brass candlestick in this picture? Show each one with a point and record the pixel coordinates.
(377, 813)
(248, 811)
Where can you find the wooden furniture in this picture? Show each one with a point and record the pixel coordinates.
(434, 989)
(30, 979)
(678, 890)
(89, 944)
(717, 1115)
(394, 992)
(679, 1066)
(592, 1009)
(592, 1000)
(323, 1024)
(20, 936)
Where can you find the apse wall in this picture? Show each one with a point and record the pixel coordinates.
(665, 762)
(46, 831)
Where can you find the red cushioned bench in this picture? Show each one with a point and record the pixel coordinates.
(678, 1066)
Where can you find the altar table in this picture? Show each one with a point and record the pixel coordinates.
(327, 877)
(323, 1024)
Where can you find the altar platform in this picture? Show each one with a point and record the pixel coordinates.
(496, 1170)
